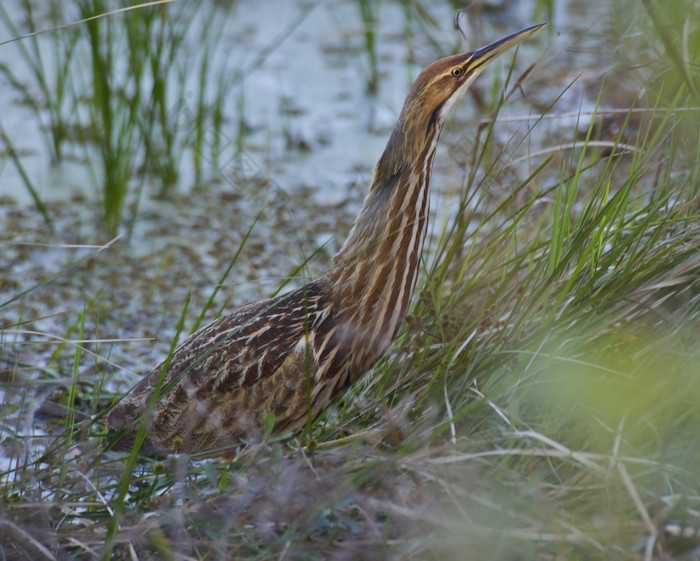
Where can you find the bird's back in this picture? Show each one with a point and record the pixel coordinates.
(282, 356)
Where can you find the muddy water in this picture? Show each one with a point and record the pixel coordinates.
(313, 137)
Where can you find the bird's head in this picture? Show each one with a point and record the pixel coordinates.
(433, 95)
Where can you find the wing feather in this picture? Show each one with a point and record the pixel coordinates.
(227, 377)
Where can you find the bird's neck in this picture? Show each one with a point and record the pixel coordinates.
(374, 274)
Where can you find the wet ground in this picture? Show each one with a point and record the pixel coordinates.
(137, 287)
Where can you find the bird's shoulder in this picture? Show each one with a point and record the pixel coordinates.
(239, 349)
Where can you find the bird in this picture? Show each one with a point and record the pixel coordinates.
(285, 360)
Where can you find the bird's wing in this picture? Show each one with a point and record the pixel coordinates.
(227, 377)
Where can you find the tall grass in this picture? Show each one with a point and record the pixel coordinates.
(49, 70)
(369, 13)
(139, 99)
(114, 112)
(125, 106)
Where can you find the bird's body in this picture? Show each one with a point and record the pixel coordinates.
(294, 355)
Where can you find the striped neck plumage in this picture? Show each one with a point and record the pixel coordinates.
(375, 273)
(395, 203)
(387, 236)
(373, 276)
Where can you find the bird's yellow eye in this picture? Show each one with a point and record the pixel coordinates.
(456, 72)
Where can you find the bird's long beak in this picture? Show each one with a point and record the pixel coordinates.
(481, 57)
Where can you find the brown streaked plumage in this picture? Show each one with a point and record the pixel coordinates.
(295, 354)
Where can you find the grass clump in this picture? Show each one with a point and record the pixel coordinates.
(120, 87)
(559, 342)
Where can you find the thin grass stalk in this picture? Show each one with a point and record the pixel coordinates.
(16, 160)
(139, 438)
(369, 13)
(69, 422)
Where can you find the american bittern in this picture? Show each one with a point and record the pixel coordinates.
(294, 355)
